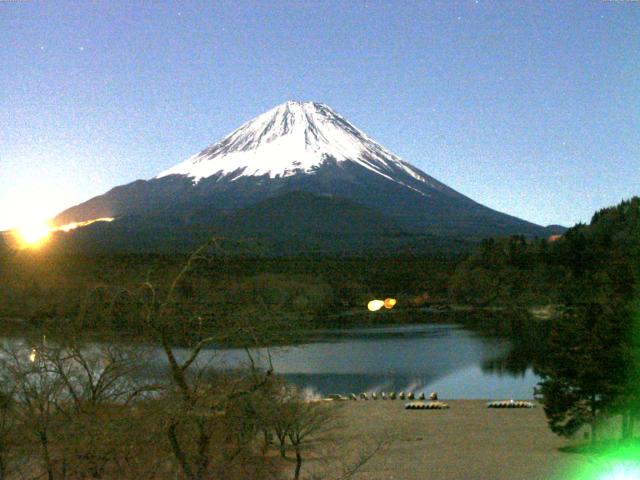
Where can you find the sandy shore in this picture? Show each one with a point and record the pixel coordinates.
(468, 441)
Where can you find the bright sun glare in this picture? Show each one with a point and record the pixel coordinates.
(33, 234)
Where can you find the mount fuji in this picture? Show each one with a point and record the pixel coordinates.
(299, 163)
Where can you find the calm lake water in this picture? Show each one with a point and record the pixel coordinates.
(447, 358)
(450, 359)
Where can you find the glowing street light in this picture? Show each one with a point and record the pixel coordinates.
(375, 305)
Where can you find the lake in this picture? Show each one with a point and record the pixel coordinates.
(447, 358)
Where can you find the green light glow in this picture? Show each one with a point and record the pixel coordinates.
(623, 471)
(618, 462)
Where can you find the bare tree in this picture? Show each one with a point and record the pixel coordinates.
(36, 393)
(99, 387)
(343, 458)
(200, 402)
(309, 423)
(75, 402)
(312, 430)
(7, 427)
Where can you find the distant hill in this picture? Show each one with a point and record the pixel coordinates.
(289, 224)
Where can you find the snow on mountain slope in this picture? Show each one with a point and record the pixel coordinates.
(295, 147)
(293, 138)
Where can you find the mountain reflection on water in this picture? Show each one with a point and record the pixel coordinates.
(449, 358)
(479, 357)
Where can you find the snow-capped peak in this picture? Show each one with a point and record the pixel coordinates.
(294, 137)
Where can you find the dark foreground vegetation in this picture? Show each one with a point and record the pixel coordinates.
(71, 409)
(71, 412)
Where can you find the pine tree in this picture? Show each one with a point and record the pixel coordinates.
(584, 373)
(593, 364)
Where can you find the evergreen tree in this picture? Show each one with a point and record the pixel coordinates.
(593, 362)
(584, 373)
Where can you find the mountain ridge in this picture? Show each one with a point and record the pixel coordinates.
(303, 146)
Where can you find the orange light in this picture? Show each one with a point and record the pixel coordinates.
(389, 303)
(73, 225)
(32, 235)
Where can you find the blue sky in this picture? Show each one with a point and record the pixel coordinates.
(531, 108)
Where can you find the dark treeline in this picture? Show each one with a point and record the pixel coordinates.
(513, 271)
(590, 363)
(593, 366)
(38, 287)
(586, 261)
